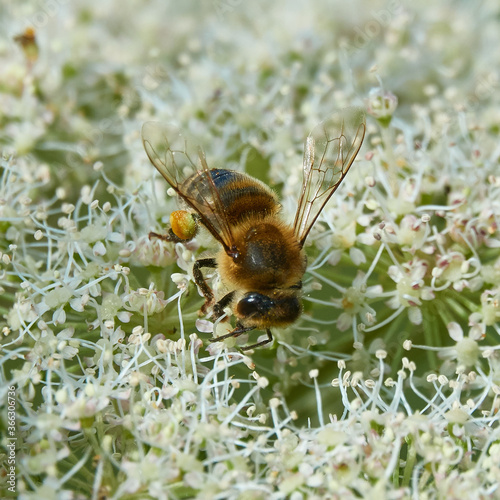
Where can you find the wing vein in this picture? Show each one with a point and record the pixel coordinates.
(339, 140)
(172, 154)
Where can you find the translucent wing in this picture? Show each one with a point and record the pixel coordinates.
(329, 152)
(185, 168)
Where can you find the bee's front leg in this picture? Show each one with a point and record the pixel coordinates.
(259, 344)
(200, 281)
(219, 306)
(239, 330)
(236, 332)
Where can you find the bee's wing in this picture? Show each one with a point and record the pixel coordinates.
(329, 151)
(178, 159)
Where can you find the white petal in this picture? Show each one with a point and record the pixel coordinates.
(204, 326)
(393, 302)
(374, 291)
(59, 316)
(474, 318)
(115, 237)
(41, 308)
(67, 333)
(357, 256)
(418, 271)
(124, 316)
(344, 322)
(427, 294)
(455, 331)
(394, 273)
(366, 238)
(364, 220)
(415, 315)
(99, 249)
(76, 304)
(492, 243)
(460, 285)
(476, 332)
(335, 257)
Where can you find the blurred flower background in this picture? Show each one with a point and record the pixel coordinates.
(387, 387)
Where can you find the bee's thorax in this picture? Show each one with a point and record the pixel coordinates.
(269, 257)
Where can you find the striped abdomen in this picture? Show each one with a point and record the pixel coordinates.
(242, 196)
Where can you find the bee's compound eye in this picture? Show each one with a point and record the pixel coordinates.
(183, 224)
(254, 303)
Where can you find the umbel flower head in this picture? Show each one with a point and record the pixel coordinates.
(386, 387)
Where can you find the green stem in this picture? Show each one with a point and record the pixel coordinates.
(411, 459)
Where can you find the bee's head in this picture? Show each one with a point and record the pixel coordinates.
(279, 308)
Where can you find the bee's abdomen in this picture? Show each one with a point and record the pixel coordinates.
(241, 195)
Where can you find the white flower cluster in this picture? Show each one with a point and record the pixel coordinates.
(389, 384)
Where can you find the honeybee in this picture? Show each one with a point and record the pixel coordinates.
(262, 259)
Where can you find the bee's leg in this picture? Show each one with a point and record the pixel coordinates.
(260, 344)
(239, 330)
(200, 281)
(167, 237)
(219, 306)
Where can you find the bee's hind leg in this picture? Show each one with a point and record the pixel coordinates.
(170, 236)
